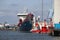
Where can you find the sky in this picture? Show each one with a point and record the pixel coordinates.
(10, 8)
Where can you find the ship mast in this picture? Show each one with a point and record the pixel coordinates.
(42, 10)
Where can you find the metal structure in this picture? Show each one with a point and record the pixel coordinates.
(56, 18)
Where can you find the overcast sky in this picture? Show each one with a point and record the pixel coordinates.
(10, 8)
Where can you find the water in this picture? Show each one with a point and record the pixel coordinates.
(15, 35)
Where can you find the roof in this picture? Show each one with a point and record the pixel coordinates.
(20, 14)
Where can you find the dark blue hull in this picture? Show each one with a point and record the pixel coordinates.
(26, 26)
